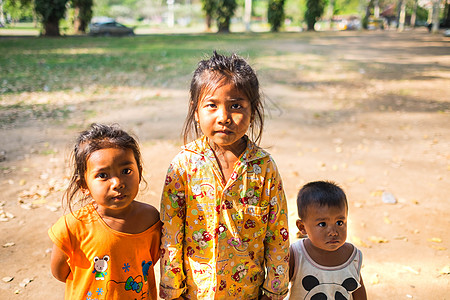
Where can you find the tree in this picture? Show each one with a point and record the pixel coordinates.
(50, 12)
(225, 11)
(83, 14)
(209, 7)
(275, 14)
(16, 10)
(314, 10)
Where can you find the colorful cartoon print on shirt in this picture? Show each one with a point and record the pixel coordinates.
(100, 267)
(145, 268)
(133, 285)
(317, 290)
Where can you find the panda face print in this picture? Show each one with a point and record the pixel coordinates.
(328, 291)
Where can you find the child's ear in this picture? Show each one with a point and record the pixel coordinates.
(301, 226)
(81, 185)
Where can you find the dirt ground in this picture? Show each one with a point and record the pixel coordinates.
(375, 119)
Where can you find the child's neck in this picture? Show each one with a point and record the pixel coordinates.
(227, 157)
(328, 258)
(122, 221)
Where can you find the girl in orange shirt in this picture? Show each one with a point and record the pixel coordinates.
(107, 248)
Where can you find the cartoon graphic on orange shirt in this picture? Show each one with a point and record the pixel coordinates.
(100, 267)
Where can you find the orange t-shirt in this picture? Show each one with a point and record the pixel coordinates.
(105, 263)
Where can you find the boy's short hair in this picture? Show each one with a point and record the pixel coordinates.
(320, 193)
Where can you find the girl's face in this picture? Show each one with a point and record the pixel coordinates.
(112, 179)
(224, 115)
(325, 226)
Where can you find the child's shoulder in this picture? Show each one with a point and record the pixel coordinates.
(147, 213)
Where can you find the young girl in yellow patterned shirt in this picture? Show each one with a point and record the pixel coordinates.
(223, 206)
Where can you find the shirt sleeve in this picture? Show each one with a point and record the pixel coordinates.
(155, 250)
(276, 243)
(173, 216)
(59, 234)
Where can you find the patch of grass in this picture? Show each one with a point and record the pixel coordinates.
(45, 64)
(10, 113)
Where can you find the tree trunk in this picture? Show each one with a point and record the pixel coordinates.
(51, 28)
(77, 22)
(224, 27)
(2, 16)
(376, 9)
(330, 13)
(247, 14)
(447, 14)
(435, 14)
(366, 17)
(208, 22)
(413, 15)
(401, 18)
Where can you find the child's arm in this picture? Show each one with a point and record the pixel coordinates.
(291, 263)
(173, 207)
(60, 268)
(360, 294)
(276, 244)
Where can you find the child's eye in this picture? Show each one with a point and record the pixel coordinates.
(210, 105)
(126, 171)
(102, 175)
(236, 106)
(322, 224)
(340, 223)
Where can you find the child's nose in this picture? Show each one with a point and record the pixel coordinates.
(223, 116)
(116, 183)
(333, 230)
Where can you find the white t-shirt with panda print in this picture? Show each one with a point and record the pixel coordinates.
(313, 281)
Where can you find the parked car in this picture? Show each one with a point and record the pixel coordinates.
(442, 25)
(110, 28)
(374, 24)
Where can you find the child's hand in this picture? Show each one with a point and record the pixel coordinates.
(264, 297)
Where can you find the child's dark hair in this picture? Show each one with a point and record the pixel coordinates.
(320, 193)
(97, 137)
(219, 70)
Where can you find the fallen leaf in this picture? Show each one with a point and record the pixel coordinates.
(7, 279)
(358, 242)
(440, 248)
(10, 244)
(25, 282)
(435, 240)
(387, 220)
(410, 269)
(445, 270)
(376, 193)
(375, 279)
(378, 240)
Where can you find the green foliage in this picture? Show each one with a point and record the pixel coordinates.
(50, 12)
(275, 14)
(314, 10)
(50, 9)
(83, 14)
(225, 11)
(18, 10)
(209, 7)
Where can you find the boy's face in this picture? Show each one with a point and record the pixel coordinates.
(325, 226)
